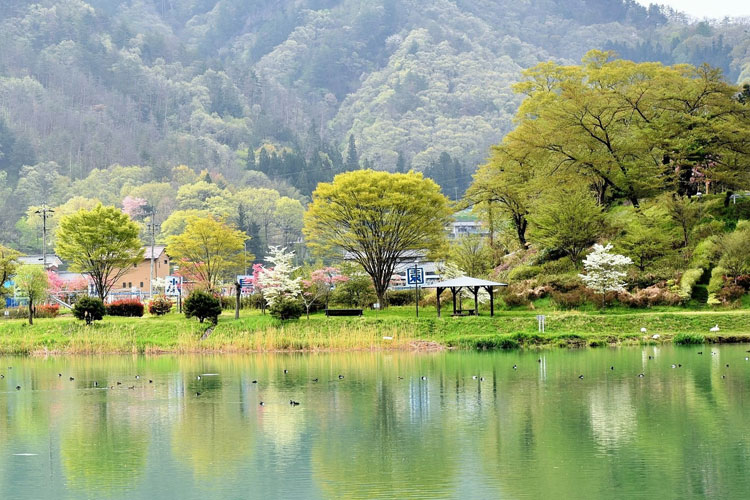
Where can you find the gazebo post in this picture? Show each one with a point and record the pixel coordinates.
(437, 293)
(476, 301)
(453, 291)
(491, 290)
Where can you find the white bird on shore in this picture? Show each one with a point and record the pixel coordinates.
(715, 328)
(643, 330)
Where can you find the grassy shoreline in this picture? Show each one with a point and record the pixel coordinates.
(396, 328)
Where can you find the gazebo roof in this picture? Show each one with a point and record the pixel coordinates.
(464, 281)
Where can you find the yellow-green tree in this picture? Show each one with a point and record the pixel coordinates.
(101, 242)
(632, 130)
(31, 281)
(377, 218)
(8, 265)
(208, 251)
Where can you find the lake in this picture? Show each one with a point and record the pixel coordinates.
(394, 425)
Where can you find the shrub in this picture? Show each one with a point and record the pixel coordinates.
(89, 309)
(569, 300)
(160, 305)
(402, 297)
(524, 272)
(129, 308)
(228, 302)
(47, 311)
(689, 338)
(202, 304)
(743, 281)
(717, 279)
(286, 309)
(688, 281)
(730, 293)
(515, 300)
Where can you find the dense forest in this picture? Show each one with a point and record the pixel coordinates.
(109, 99)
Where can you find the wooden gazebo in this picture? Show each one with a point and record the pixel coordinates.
(473, 285)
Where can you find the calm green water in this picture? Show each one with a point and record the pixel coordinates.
(537, 431)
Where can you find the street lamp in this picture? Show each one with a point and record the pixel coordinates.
(152, 226)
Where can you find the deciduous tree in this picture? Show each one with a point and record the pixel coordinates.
(377, 218)
(102, 242)
(31, 281)
(208, 251)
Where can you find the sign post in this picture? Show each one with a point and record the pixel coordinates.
(173, 288)
(415, 276)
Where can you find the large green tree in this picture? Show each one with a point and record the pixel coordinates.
(377, 218)
(208, 251)
(102, 242)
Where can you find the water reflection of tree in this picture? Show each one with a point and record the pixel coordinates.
(103, 449)
(388, 445)
(211, 434)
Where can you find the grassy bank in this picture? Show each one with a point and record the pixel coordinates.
(393, 329)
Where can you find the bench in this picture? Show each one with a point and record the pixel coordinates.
(469, 312)
(343, 312)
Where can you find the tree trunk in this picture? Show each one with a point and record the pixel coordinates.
(31, 312)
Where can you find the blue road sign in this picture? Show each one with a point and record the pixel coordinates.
(415, 276)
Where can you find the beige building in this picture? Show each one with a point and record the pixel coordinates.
(138, 277)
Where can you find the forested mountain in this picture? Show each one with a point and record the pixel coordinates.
(296, 89)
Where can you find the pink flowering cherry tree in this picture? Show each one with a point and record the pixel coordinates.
(319, 286)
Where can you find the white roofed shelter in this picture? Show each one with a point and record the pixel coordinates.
(473, 285)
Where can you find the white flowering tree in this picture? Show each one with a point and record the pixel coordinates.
(277, 282)
(605, 270)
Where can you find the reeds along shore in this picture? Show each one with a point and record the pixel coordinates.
(393, 329)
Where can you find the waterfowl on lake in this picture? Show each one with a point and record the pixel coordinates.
(315, 380)
(341, 377)
(539, 360)
(474, 377)
(293, 403)
(59, 374)
(286, 371)
(261, 403)
(18, 387)
(2, 376)
(72, 379)
(611, 367)
(255, 381)
(641, 375)
(137, 377)
(119, 383)
(197, 394)
(715, 328)
(727, 365)
(401, 378)
(198, 378)
(424, 378)
(650, 357)
(723, 376)
(96, 384)
(515, 367)
(674, 366)
(481, 379)
(580, 377)
(679, 365)
(700, 352)
(132, 387)
(150, 381)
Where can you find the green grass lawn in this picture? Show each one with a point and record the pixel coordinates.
(395, 328)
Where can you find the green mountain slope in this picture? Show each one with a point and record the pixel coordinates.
(163, 82)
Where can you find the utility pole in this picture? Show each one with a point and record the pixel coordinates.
(44, 211)
(152, 227)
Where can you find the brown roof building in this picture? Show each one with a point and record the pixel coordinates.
(138, 277)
